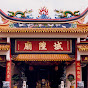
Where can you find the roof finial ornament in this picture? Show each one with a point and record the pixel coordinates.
(44, 13)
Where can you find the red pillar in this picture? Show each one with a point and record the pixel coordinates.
(8, 71)
(78, 67)
(8, 67)
(78, 71)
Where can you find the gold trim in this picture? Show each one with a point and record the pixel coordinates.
(83, 47)
(43, 30)
(67, 45)
(4, 47)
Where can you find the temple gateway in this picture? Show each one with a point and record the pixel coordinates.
(43, 52)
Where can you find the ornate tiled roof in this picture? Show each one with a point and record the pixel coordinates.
(59, 30)
(83, 47)
(4, 47)
(43, 57)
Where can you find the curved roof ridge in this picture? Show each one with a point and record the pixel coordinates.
(64, 20)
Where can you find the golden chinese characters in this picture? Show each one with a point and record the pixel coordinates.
(78, 71)
(28, 46)
(57, 45)
(78, 68)
(78, 76)
(78, 64)
(8, 70)
(42, 46)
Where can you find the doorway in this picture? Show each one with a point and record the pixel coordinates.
(2, 75)
(85, 76)
(51, 73)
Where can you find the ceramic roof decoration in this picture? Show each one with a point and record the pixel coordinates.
(22, 14)
(74, 24)
(82, 29)
(74, 16)
(66, 14)
(43, 13)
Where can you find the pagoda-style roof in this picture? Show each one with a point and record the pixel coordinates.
(83, 47)
(4, 47)
(61, 20)
(12, 24)
(42, 57)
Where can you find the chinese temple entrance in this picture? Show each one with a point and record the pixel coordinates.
(50, 73)
(47, 68)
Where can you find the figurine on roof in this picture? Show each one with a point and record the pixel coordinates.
(65, 14)
(26, 14)
(43, 13)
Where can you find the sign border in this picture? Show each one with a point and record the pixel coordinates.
(43, 51)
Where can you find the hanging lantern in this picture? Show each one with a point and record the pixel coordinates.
(56, 68)
(31, 68)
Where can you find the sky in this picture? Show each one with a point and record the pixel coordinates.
(51, 5)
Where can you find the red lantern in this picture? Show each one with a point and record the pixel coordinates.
(31, 68)
(56, 68)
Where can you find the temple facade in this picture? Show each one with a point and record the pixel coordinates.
(43, 52)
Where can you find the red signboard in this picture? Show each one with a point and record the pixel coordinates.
(84, 58)
(78, 71)
(44, 45)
